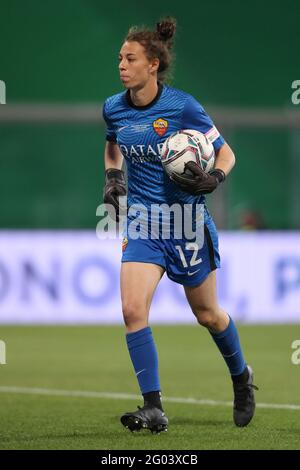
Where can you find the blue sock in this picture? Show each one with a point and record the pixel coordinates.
(144, 358)
(229, 346)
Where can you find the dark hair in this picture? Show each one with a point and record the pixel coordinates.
(157, 44)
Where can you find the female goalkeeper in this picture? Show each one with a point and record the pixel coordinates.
(139, 120)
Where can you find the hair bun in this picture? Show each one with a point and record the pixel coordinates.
(166, 29)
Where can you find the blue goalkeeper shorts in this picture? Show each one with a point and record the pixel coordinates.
(182, 260)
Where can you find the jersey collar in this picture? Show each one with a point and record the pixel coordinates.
(149, 105)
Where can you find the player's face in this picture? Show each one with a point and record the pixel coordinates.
(134, 67)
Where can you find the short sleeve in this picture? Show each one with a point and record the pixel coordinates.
(110, 132)
(195, 117)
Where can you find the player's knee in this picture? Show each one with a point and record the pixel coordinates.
(133, 312)
(207, 317)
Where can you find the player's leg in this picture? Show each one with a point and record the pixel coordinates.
(204, 304)
(138, 284)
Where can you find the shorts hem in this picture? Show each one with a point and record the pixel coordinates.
(143, 261)
(194, 284)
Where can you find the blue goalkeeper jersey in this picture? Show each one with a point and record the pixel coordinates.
(140, 132)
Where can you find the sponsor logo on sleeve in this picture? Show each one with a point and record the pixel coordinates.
(212, 134)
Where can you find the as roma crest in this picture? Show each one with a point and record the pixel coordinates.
(160, 126)
(124, 244)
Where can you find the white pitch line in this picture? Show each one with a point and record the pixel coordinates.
(126, 396)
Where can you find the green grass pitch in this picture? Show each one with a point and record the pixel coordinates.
(95, 358)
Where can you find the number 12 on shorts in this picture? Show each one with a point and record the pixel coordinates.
(193, 261)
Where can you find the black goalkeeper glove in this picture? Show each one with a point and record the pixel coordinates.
(195, 181)
(115, 186)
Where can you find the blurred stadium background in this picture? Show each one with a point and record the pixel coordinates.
(58, 61)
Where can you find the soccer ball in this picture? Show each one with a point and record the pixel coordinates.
(185, 146)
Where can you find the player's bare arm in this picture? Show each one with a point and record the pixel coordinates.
(113, 157)
(225, 159)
